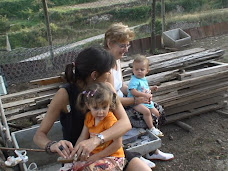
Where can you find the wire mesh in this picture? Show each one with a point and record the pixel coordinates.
(72, 26)
(27, 52)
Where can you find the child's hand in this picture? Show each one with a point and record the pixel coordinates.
(149, 96)
(154, 88)
(139, 100)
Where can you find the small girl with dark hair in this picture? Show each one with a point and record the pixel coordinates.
(98, 100)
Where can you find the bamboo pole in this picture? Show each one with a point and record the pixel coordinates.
(153, 19)
(5, 127)
(163, 19)
(49, 62)
(27, 149)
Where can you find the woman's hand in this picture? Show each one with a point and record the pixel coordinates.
(85, 147)
(139, 100)
(63, 148)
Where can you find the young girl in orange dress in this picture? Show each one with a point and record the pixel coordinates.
(98, 100)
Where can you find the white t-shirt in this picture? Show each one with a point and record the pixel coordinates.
(118, 80)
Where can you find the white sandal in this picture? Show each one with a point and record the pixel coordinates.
(22, 155)
(32, 167)
(12, 161)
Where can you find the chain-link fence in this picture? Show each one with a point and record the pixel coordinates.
(35, 44)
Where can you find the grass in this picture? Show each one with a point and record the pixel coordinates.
(205, 17)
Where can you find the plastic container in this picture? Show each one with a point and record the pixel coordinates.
(176, 38)
(143, 147)
(44, 161)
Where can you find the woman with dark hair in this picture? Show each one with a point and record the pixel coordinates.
(91, 65)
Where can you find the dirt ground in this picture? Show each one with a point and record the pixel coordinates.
(205, 148)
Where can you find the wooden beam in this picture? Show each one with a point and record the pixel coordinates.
(27, 114)
(47, 81)
(184, 115)
(181, 62)
(191, 104)
(26, 101)
(184, 126)
(190, 95)
(31, 91)
(165, 57)
(190, 82)
(202, 72)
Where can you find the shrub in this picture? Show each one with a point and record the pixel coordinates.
(136, 13)
(69, 2)
(19, 9)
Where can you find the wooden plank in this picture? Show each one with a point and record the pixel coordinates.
(31, 91)
(13, 111)
(181, 89)
(165, 56)
(191, 95)
(202, 72)
(53, 91)
(194, 81)
(47, 81)
(184, 126)
(221, 112)
(183, 61)
(45, 97)
(158, 78)
(193, 105)
(183, 115)
(209, 83)
(27, 114)
(25, 101)
(198, 99)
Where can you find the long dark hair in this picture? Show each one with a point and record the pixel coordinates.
(88, 60)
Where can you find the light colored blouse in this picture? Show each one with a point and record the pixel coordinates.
(118, 80)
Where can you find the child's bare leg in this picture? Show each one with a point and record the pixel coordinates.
(156, 131)
(146, 114)
(155, 111)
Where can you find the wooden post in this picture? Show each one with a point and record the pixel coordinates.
(4, 126)
(8, 47)
(48, 28)
(153, 38)
(163, 19)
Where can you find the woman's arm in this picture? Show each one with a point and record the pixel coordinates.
(40, 138)
(128, 101)
(112, 148)
(137, 93)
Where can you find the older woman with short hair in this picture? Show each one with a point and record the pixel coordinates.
(117, 42)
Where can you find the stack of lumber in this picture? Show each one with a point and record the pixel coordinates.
(190, 82)
(28, 103)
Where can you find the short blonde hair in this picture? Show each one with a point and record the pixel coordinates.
(118, 32)
(141, 58)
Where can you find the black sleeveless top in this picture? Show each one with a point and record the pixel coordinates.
(73, 121)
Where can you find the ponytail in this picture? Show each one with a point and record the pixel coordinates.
(70, 73)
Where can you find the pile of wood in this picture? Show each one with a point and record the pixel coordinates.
(190, 82)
